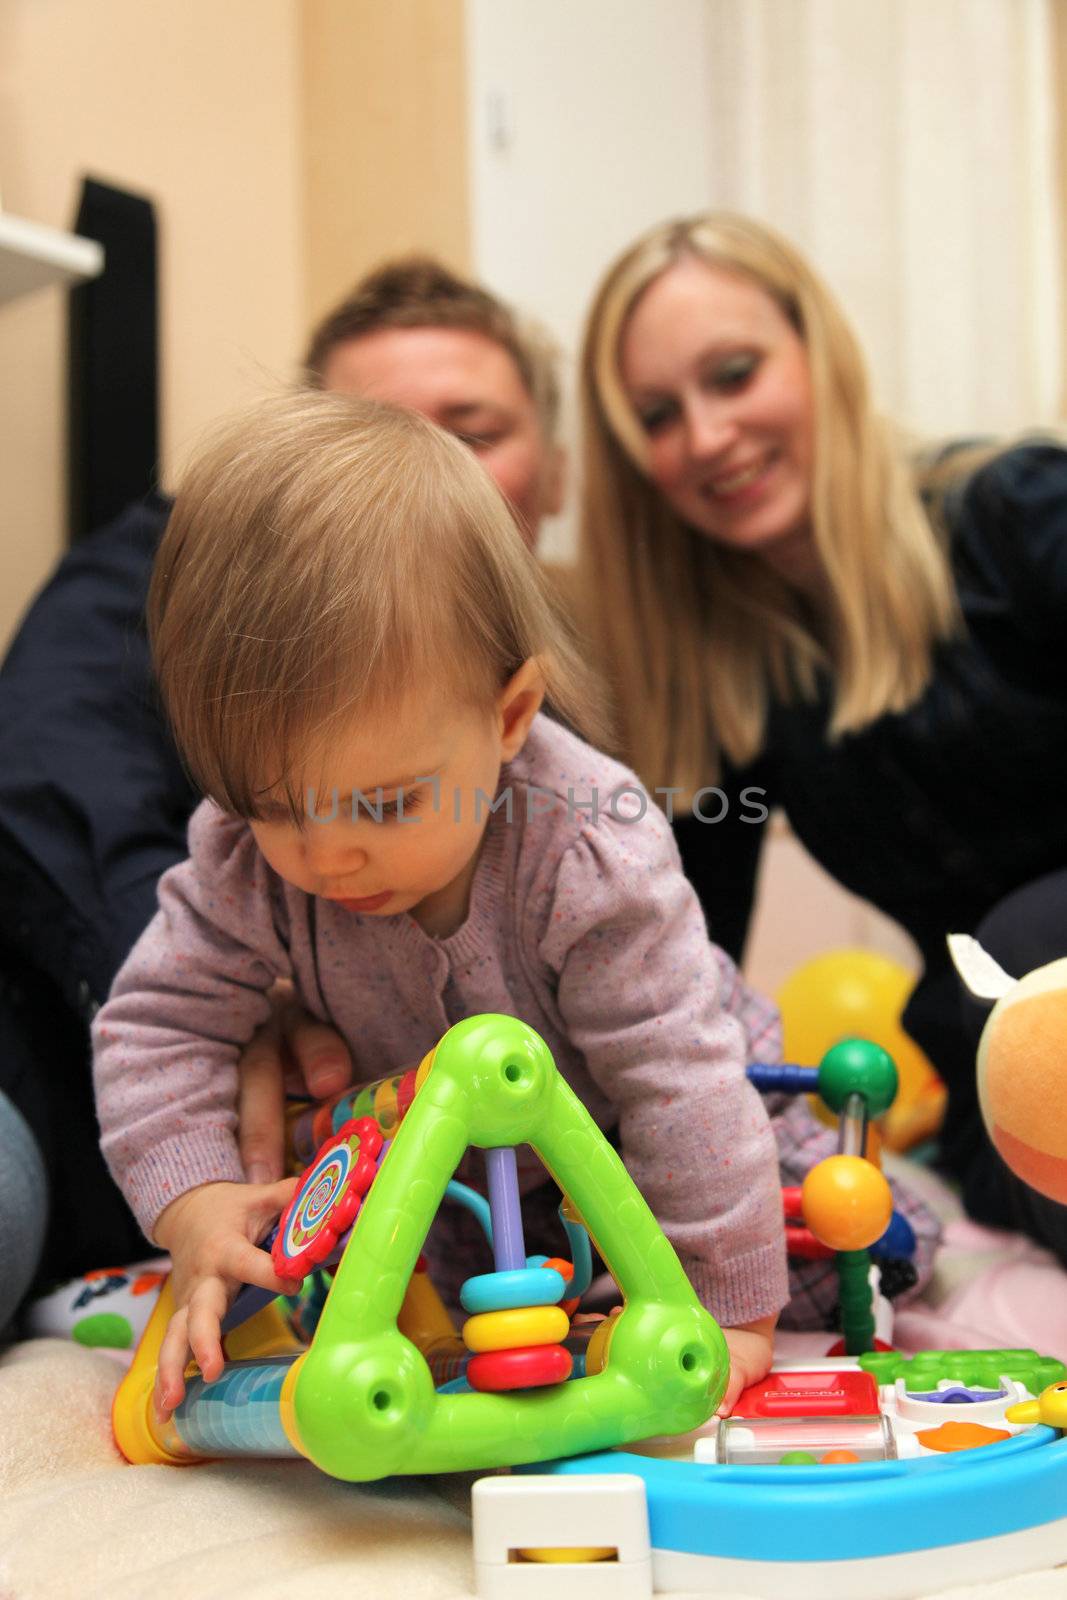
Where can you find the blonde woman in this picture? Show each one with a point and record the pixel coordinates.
(797, 612)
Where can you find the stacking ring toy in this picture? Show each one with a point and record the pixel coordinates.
(328, 1199)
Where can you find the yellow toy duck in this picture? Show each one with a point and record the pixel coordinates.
(1050, 1407)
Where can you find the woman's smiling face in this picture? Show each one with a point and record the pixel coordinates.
(720, 382)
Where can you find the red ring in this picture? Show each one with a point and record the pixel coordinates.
(525, 1367)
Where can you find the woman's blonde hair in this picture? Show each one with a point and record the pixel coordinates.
(696, 636)
(327, 556)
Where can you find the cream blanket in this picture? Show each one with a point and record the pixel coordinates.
(77, 1523)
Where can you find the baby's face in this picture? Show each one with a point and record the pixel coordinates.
(396, 823)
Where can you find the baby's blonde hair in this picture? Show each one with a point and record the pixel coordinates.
(325, 557)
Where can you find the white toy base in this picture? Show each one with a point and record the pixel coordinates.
(595, 1509)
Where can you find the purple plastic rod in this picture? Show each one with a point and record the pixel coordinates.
(509, 1248)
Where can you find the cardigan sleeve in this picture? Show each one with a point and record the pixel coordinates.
(642, 993)
(185, 1003)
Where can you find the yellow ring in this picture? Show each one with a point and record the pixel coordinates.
(509, 1330)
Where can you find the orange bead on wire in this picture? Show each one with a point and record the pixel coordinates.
(847, 1202)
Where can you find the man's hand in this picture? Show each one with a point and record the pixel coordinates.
(751, 1351)
(210, 1235)
(292, 1048)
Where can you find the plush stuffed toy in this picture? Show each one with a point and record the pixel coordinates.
(1022, 1065)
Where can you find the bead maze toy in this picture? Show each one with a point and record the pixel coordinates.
(845, 1203)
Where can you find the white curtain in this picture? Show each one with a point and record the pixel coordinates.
(908, 146)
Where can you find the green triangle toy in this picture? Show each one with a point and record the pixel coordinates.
(360, 1401)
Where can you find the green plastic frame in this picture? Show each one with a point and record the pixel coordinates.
(363, 1404)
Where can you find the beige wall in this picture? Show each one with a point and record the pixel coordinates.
(288, 145)
(1059, 76)
(386, 139)
(197, 106)
(588, 123)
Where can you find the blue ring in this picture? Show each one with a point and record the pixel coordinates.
(511, 1291)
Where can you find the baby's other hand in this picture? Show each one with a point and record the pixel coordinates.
(292, 1050)
(751, 1352)
(210, 1234)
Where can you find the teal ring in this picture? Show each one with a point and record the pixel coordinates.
(511, 1291)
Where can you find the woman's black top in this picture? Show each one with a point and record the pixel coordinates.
(934, 813)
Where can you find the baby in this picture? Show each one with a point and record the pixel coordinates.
(355, 648)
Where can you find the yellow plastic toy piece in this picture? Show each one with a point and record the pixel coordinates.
(287, 1409)
(846, 992)
(137, 1434)
(590, 1552)
(508, 1330)
(268, 1333)
(1050, 1407)
(385, 1106)
(423, 1318)
(596, 1353)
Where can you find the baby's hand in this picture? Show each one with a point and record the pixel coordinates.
(291, 1050)
(751, 1352)
(210, 1235)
